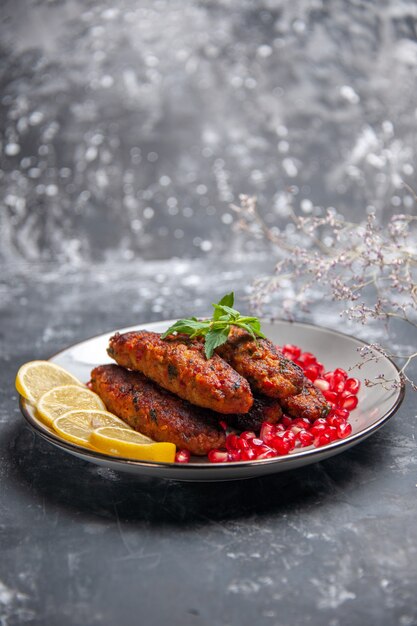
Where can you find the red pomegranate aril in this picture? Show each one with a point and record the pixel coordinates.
(349, 403)
(332, 432)
(352, 385)
(218, 456)
(339, 371)
(321, 368)
(282, 447)
(301, 423)
(322, 384)
(279, 428)
(328, 376)
(247, 434)
(320, 420)
(248, 455)
(318, 429)
(331, 396)
(324, 438)
(234, 455)
(242, 444)
(182, 456)
(311, 372)
(337, 386)
(305, 438)
(306, 358)
(255, 443)
(232, 441)
(270, 454)
(286, 421)
(344, 430)
(342, 413)
(267, 431)
(294, 351)
(335, 420)
(223, 424)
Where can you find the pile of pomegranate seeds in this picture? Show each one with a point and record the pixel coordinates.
(279, 439)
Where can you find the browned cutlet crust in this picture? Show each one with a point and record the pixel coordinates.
(155, 412)
(263, 410)
(309, 404)
(269, 373)
(179, 365)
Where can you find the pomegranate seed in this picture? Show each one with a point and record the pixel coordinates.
(328, 376)
(317, 430)
(242, 444)
(332, 432)
(300, 424)
(286, 421)
(279, 428)
(182, 456)
(270, 454)
(320, 367)
(331, 396)
(320, 420)
(295, 351)
(352, 385)
(343, 413)
(218, 456)
(344, 394)
(324, 438)
(344, 430)
(338, 371)
(322, 384)
(335, 420)
(311, 372)
(288, 436)
(337, 385)
(247, 434)
(255, 443)
(349, 403)
(307, 358)
(305, 438)
(223, 424)
(232, 441)
(267, 431)
(234, 455)
(282, 447)
(248, 455)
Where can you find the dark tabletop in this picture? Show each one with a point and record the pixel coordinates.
(126, 131)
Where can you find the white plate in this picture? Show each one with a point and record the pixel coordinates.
(376, 404)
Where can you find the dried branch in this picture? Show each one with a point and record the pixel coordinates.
(370, 269)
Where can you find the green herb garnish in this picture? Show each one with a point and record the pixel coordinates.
(216, 330)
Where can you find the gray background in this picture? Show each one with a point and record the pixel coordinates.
(126, 131)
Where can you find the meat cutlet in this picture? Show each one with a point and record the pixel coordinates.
(156, 412)
(179, 365)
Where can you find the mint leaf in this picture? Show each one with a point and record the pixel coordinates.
(191, 326)
(214, 339)
(227, 300)
(219, 308)
(216, 330)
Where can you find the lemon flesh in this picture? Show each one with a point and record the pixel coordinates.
(131, 445)
(77, 426)
(60, 400)
(37, 377)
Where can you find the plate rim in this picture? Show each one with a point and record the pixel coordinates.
(337, 445)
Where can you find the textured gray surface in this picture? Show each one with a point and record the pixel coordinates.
(125, 132)
(332, 544)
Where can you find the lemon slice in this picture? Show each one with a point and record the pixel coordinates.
(60, 400)
(77, 426)
(131, 444)
(36, 377)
